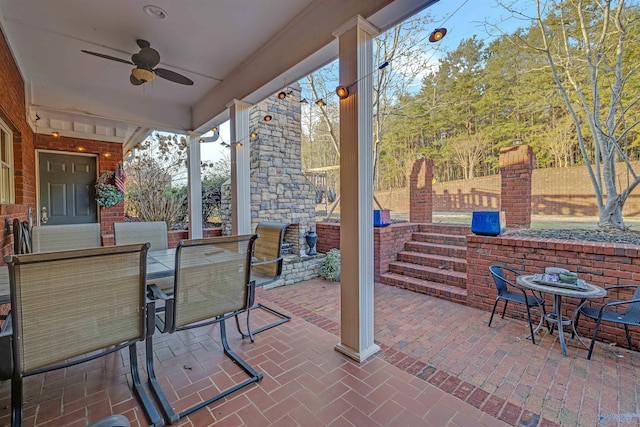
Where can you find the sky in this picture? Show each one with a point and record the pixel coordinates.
(461, 18)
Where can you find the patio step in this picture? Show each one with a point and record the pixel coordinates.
(438, 290)
(437, 249)
(435, 274)
(434, 262)
(441, 262)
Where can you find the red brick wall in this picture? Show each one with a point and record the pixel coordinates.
(597, 263)
(516, 165)
(328, 236)
(420, 191)
(387, 242)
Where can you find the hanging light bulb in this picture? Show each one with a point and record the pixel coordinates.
(304, 101)
(55, 134)
(282, 95)
(437, 35)
(321, 103)
(253, 135)
(268, 118)
(342, 92)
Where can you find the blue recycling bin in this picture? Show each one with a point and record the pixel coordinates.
(488, 223)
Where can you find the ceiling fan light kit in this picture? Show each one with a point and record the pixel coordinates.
(143, 75)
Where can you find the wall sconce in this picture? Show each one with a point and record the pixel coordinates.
(268, 118)
(55, 134)
(437, 35)
(342, 92)
(321, 103)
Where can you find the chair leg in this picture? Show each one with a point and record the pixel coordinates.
(575, 326)
(626, 330)
(494, 310)
(250, 333)
(166, 407)
(533, 339)
(141, 393)
(593, 339)
(16, 402)
(504, 310)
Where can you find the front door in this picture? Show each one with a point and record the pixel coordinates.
(67, 192)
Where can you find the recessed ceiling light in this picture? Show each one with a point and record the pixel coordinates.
(155, 12)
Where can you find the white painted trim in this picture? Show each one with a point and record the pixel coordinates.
(358, 356)
(357, 21)
(194, 186)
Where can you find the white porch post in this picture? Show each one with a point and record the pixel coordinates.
(194, 186)
(356, 190)
(240, 168)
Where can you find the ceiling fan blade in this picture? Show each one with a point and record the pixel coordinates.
(102, 55)
(172, 76)
(142, 43)
(135, 81)
(149, 56)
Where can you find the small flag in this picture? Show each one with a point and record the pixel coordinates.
(120, 178)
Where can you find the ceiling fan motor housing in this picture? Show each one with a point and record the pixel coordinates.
(143, 75)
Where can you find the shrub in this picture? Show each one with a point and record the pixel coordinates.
(331, 268)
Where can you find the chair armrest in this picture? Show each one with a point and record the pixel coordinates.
(166, 324)
(614, 303)
(251, 293)
(157, 293)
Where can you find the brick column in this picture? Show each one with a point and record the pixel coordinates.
(420, 193)
(516, 167)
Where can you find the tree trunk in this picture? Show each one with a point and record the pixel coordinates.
(610, 215)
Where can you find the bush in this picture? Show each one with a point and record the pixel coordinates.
(331, 268)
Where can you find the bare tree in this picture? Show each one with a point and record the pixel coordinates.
(559, 141)
(586, 44)
(467, 152)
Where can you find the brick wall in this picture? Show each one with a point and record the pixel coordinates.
(420, 193)
(597, 263)
(387, 242)
(516, 165)
(328, 236)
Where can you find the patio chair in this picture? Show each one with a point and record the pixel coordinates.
(629, 314)
(112, 421)
(266, 268)
(54, 238)
(153, 232)
(21, 237)
(519, 295)
(211, 284)
(99, 307)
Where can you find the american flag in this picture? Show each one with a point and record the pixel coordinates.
(120, 178)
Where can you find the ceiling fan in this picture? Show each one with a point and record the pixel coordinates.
(145, 61)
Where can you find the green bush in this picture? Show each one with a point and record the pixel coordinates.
(331, 268)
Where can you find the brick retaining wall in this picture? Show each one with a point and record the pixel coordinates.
(602, 264)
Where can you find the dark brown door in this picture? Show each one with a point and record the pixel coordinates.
(67, 192)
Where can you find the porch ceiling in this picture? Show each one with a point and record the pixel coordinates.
(231, 49)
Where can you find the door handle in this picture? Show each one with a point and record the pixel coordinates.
(43, 215)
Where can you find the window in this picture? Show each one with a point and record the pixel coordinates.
(6, 164)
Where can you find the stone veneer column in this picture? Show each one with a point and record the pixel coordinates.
(356, 190)
(240, 168)
(420, 191)
(516, 168)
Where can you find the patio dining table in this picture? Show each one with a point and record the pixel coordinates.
(589, 291)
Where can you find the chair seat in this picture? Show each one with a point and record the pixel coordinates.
(610, 316)
(516, 297)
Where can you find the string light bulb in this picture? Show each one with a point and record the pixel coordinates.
(253, 135)
(321, 103)
(437, 35)
(55, 134)
(342, 92)
(282, 95)
(304, 101)
(268, 118)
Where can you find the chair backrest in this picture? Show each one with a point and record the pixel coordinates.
(499, 279)
(267, 254)
(153, 232)
(211, 278)
(633, 309)
(54, 238)
(67, 304)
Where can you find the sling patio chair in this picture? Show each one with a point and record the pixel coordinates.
(71, 307)
(517, 295)
(65, 237)
(21, 237)
(623, 312)
(212, 283)
(266, 268)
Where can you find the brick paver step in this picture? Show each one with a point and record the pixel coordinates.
(438, 275)
(433, 260)
(431, 248)
(441, 239)
(439, 290)
(461, 230)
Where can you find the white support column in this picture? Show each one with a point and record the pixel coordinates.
(240, 168)
(356, 189)
(194, 186)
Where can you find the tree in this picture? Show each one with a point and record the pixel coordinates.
(585, 44)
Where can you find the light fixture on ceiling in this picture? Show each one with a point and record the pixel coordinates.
(155, 12)
(437, 35)
(321, 103)
(55, 134)
(342, 92)
(268, 118)
(143, 75)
